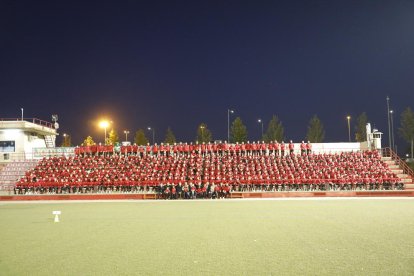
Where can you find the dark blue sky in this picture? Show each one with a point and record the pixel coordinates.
(180, 63)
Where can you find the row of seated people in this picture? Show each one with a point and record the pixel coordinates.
(252, 170)
(94, 149)
(184, 148)
(208, 190)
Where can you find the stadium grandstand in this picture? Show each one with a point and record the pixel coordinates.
(189, 171)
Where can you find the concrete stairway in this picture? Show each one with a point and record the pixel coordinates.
(395, 168)
(13, 171)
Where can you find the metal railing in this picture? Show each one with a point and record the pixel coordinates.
(387, 152)
(30, 120)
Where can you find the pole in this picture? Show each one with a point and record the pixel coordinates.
(153, 133)
(262, 129)
(261, 124)
(126, 135)
(349, 128)
(392, 129)
(228, 125)
(105, 136)
(389, 123)
(22, 113)
(412, 140)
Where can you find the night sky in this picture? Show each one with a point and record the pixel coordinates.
(180, 63)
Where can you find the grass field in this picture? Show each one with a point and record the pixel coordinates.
(278, 237)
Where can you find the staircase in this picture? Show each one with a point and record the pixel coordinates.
(399, 167)
(50, 141)
(13, 171)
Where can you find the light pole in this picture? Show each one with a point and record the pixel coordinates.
(392, 130)
(104, 125)
(126, 135)
(22, 112)
(64, 139)
(389, 122)
(261, 122)
(228, 124)
(349, 127)
(153, 134)
(202, 133)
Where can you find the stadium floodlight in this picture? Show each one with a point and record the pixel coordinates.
(104, 124)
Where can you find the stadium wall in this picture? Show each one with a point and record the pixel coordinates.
(233, 195)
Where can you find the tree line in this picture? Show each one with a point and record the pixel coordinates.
(274, 131)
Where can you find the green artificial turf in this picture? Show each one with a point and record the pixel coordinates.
(296, 237)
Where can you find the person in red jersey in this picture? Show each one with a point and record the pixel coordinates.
(167, 192)
(173, 192)
(309, 148)
(265, 148)
(248, 148)
(155, 149)
(291, 147)
(303, 148)
(270, 148)
(203, 147)
(148, 149)
(254, 148)
(282, 149)
(276, 147)
(161, 149)
(224, 148)
(186, 148)
(192, 191)
(242, 148)
(134, 149)
(175, 148)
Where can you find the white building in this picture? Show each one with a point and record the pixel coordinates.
(20, 138)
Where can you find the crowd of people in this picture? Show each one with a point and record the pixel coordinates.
(184, 148)
(208, 171)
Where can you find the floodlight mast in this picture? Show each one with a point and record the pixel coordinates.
(389, 122)
(260, 121)
(104, 125)
(228, 123)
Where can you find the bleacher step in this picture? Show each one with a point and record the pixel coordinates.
(409, 186)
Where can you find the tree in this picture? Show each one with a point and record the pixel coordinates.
(316, 133)
(88, 141)
(203, 134)
(112, 138)
(361, 128)
(67, 141)
(407, 127)
(140, 138)
(275, 130)
(169, 137)
(238, 131)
